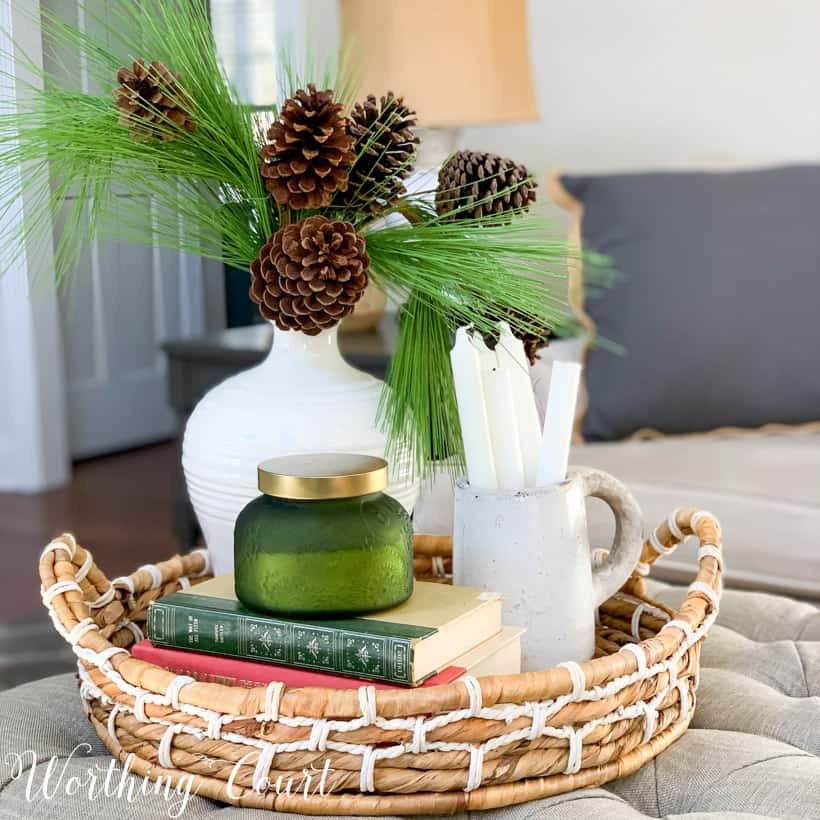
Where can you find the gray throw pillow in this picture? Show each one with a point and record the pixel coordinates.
(717, 307)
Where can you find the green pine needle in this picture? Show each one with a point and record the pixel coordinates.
(64, 149)
(459, 272)
(190, 182)
(418, 407)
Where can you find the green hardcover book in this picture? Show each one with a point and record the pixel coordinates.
(406, 644)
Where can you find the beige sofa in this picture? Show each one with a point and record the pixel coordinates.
(765, 490)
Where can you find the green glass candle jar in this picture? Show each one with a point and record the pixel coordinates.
(323, 538)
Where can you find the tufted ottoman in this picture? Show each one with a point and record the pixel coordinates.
(753, 748)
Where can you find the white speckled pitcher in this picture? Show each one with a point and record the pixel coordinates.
(532, 546)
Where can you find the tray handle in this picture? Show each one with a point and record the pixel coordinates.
(667, 537)
(433, 552)
(80, 598)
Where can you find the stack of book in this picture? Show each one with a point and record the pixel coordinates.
(439, 634)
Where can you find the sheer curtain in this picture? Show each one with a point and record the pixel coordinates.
(251, 35)
(246, 38)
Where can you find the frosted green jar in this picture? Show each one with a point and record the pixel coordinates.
(323, 539)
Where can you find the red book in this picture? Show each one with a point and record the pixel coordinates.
(233, 672)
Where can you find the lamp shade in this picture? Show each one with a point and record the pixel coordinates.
(457, 62)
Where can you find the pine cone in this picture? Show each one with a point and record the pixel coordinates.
(310, 274)
(385, 150)
(472, 181)
(533, 342)
(151, 101)
(309, 151)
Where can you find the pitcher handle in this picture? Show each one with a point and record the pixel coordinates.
(610, 576)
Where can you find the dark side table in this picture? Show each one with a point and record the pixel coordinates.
(196, 365)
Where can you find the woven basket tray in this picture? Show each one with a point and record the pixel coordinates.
(472, 744)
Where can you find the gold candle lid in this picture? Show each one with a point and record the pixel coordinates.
(316, 476)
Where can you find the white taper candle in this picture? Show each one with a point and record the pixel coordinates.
(558, 423)
(514, 360)
(501, 417)
(472, 412)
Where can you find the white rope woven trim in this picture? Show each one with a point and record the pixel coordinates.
(711, 551)
(106, 655)
(367, 703)
(164, 750)
(273, 694)
(539, 718)
(104, 599)
(509, 712)
(642, 568)
(576, 751)
(61, 630)
(172, 692)
(318, 735)
(656, 545)
(684, 627)
(696, 517)
(366, 775)
(85, 568)
(419, 743)
(474, 691)
(650, 609)
(124, 581)
(84, 626)
(154, 572)
(635, 624)
(112, 720)
(261, 773)
(58, 544)
(576, 675)
(215, 724)
(206, 569)
(538, 712)
(505, 713)
(673, 677)
(139, 706)
(640, 655)
(437, 566)
(48, 595)
(705, 589)
(476, 770)
(672, 523)
(650, 719)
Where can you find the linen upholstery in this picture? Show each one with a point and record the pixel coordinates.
(716, 306)
(764, 489)
(752, 750)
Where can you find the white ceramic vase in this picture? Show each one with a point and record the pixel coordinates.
(304, 397)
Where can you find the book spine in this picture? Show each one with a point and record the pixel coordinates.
(209, 677)
(308, 646)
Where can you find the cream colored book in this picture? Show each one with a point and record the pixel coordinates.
(500, 655)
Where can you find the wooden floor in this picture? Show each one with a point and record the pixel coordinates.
(119, 507)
